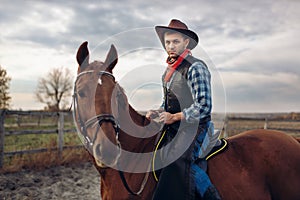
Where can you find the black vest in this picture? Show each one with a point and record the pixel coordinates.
(178, 95)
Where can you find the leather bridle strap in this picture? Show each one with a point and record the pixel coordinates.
(121, 173)
(100, 119)
(122, 176)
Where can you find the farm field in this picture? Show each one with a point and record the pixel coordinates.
(40, 139)
(237, 126)
(237, 123)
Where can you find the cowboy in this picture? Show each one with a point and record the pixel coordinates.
(186, 109)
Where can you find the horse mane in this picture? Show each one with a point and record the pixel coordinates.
(141, 125)
(137, 117)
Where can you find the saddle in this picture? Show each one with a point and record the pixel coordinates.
(217, 149)
(222, 146)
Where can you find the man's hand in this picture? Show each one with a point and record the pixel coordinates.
(169, 118)
(152, 114)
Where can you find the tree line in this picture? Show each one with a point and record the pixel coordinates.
(53, 90)
(4, 89)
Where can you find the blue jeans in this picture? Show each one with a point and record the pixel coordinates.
(202, 181)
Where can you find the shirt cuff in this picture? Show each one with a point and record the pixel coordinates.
(187, 117)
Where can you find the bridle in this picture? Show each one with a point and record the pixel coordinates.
(100, 119)
(95, 119)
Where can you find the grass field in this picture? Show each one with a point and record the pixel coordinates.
(236, 124)
(16, 141)
(34, 141)
(21, 133)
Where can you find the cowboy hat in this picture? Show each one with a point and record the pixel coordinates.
(176, 25)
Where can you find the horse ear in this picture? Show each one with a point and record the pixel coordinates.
(111, 58)
(83, 55)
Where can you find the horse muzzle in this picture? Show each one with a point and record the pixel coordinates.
(106, 155)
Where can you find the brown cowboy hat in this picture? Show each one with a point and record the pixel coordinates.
(176, 25)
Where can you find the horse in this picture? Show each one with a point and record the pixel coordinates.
(258, 164)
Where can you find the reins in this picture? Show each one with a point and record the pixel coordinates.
(99, 119)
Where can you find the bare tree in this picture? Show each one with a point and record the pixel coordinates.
(4, 87)
(55, 88)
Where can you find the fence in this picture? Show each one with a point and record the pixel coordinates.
(17, 123)
(236, 124)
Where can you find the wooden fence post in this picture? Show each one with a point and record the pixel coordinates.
(2, 132)
(225, 131)
(266, 123)
(18, 120)
(60, 133)
(39, 120)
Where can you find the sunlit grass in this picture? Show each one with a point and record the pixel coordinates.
(35, 141)
(44, 160)
(16, 140)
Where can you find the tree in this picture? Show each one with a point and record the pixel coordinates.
(4, 87)
(55, 88)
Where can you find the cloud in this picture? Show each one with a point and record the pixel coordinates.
(27, 61)
(266, 93)
(244, 40)
(25, 101)
(277, 53)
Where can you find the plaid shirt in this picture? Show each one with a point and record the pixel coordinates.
(199, 83)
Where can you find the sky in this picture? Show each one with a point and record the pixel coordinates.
(252, 47)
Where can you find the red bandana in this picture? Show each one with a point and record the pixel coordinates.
(173, 64)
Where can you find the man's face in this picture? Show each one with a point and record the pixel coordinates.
(175, 44)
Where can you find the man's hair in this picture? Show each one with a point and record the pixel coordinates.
(173, 31)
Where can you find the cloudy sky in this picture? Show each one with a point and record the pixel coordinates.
(252, 47)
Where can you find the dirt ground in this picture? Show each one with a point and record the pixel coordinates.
(63, 182)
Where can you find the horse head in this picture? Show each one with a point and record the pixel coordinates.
(95, 106)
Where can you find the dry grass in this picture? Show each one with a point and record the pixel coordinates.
(30, 141)
(44, 160)
(237, 126)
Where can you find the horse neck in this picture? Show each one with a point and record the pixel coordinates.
(136, 132)
(139, 119)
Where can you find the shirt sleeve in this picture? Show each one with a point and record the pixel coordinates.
(199, 83)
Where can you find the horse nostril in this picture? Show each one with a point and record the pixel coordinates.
(98, 150)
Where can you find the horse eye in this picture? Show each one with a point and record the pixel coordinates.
(81, 93)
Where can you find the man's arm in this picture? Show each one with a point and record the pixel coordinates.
(199, 83)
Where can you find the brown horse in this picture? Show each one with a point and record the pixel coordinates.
(258, 164)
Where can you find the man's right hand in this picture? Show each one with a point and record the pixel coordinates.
(152, 114)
